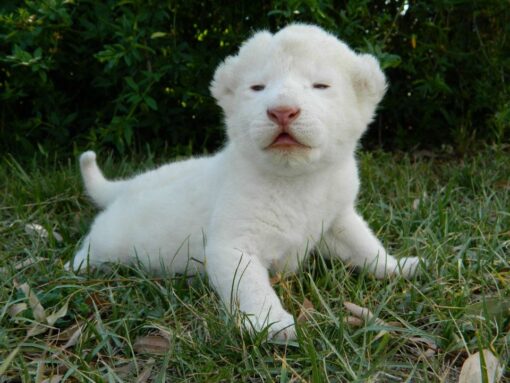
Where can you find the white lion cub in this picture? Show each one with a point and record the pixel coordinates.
(295, 104)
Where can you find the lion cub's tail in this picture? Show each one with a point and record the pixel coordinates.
(102, 191)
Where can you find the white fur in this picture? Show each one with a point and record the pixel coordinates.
(249, 208)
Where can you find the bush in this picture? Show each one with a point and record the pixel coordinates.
(126, 73)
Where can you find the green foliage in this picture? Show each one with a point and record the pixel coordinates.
(123, 73)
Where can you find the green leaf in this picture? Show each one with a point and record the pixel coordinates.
(157, 35)
(151, 103)
(128, 134)
(389, 60)
(132, 84)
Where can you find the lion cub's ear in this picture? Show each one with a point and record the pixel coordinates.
(230, 72)
(224, 82)
(369, 83)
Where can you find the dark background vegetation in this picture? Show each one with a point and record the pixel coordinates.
(132, 74)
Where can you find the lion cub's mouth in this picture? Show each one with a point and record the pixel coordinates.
(285, 141)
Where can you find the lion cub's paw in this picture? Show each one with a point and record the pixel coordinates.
(280, 326)
(284, 329)
(408, 266)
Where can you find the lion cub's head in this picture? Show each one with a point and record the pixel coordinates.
(297, 99)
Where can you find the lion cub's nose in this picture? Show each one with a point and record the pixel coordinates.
(283, 115)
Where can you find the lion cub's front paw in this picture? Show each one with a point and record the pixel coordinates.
(281, 326)
(283, 329)
(408, 266)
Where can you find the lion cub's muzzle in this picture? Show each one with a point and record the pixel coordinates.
(283, 116)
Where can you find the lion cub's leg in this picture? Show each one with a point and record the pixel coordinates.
(351, 239)
(242, 283)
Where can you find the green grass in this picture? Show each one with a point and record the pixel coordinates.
(454, 213)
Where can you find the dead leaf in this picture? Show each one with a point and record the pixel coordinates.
(428, 342)
(472, 368)
(424, 346)
(53, 379)
(358, 311)
(14, 310)
(305, 313)
(33, 302)
(62, 312)
(429, 353)
(45, 322)
(126, 370)
(146, 373)
(37, 230)
(73, 339)
(66, 334)
(152, 344)
(37, 329)
(353, 321)
(27, 262)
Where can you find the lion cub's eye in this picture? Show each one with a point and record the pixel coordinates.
(258, 87)
(320, 86)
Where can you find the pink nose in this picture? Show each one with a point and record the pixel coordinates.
(283, 115)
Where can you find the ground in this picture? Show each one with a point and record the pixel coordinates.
(126, 325)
